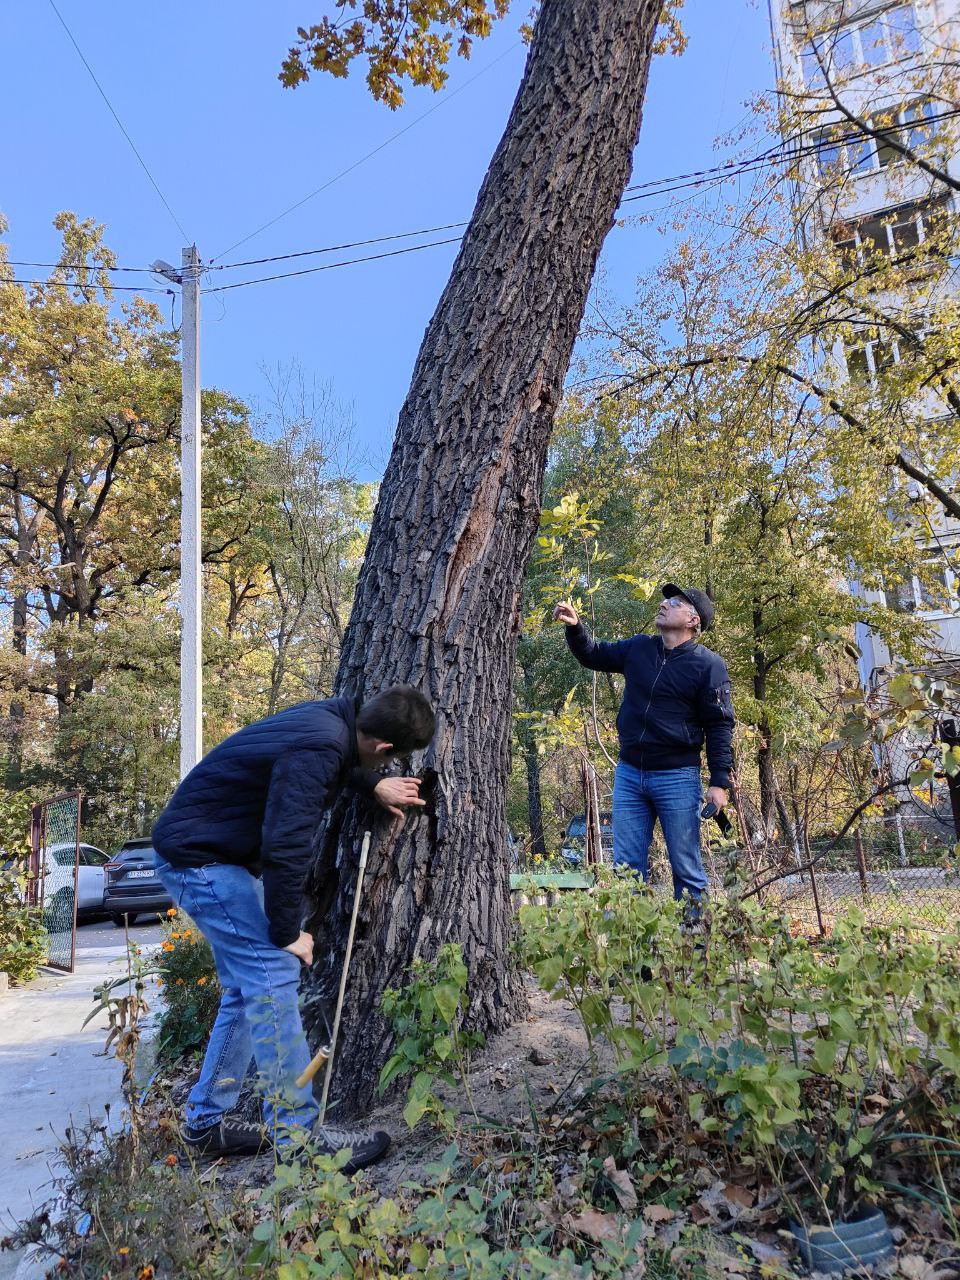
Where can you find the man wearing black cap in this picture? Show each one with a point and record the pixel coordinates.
(676, 696)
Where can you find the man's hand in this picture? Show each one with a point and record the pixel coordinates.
(302, 949)
(566, 613)
(397, 794)
(717, 796)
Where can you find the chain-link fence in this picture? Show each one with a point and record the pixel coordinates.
(56, 857)
(889, 870)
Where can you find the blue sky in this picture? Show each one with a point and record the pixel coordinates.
(195, 85)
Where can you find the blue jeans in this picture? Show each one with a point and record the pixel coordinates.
(259, 1014)
(640, 796)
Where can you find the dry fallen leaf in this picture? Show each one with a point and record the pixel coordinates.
(593, 1223)
(912, 1267)
(738, 1195)
(658, 1213)
(623, 1188)
(767, 1253)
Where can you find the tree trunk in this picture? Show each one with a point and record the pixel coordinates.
(437, 603)
(538, 841)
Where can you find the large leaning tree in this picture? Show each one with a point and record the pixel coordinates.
(438, 600)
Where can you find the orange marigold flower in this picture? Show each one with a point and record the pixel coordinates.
(171, 1160)
(123, 1250)
(172, 911)
(146, 1272)
(168, 946)
(201, 981)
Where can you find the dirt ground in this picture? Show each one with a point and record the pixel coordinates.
(528, 1065)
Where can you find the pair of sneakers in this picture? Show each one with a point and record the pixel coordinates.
(233, 1137)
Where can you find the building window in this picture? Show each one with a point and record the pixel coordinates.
(935, 594)
(891, 232)
(873, 42)
(868, 361)
(841, 147)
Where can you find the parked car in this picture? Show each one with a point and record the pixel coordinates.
(58, 881)
(575, 837)
(133, 887)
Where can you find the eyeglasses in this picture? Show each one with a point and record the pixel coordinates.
(676, 601)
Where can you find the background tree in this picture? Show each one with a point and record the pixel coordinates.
(89, 531)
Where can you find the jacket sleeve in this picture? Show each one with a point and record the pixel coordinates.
(716, 716)
(363, 781)
(298, 794)
(598, 655)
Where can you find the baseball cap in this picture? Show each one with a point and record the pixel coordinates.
(698, 599)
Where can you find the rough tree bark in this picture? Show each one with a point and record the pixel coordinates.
(437, 603)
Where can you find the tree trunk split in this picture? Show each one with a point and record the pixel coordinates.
(437, 603)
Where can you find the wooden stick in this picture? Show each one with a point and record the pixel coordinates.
(327, 1054)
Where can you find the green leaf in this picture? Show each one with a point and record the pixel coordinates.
(447, 996)
(548, 971)
(390, 1070)
(414, 1111)
(825, 1056)
(443, 1047)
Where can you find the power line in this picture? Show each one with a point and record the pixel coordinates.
(350, 168)
(77, 266)
(66, 284)
(329, 266)
(100, 90)
(336, 248)
(714, 175)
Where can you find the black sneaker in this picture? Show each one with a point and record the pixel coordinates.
(366, 1146)
(227, 1138)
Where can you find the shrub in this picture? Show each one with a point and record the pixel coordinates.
(191, 991)
(23, 939)
(812, 1066)
(426, 1016)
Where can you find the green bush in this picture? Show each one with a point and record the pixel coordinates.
(426, 1016)
(768, 1050)
(23, 939)
(191, 991)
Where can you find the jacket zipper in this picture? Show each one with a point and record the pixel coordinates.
(643, 730)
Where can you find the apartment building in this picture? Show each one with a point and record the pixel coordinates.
(893, 65)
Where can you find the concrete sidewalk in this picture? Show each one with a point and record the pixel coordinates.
(52, 1073)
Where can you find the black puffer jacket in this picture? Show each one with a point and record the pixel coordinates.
(673, 700)
(257, 799)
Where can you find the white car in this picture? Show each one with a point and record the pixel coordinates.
(58, 880)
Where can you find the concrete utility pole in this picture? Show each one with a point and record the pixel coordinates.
(191, 601)
(191, 611)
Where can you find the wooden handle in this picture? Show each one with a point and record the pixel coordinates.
(313, 1066)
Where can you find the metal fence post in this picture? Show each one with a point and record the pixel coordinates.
(861, 864)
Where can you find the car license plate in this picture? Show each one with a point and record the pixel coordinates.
(139, 875)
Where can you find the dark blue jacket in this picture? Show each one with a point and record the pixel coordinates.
(673, 699)
(256, 800)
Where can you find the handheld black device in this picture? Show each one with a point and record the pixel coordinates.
(710, 810)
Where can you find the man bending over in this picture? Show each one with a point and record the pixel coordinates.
(233, 847)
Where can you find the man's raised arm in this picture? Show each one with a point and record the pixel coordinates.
(598, 655)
